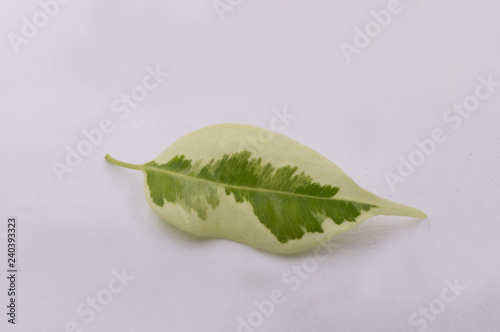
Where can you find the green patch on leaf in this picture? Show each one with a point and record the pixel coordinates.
(288, 203)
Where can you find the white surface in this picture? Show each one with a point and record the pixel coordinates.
(264, 55)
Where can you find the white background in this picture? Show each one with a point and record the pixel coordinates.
(243, 65)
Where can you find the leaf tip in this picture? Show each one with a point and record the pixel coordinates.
(419, 214)
(396, 209)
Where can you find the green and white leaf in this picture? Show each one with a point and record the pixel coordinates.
(257, 187)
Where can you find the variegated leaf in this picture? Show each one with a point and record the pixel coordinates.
(257, 187)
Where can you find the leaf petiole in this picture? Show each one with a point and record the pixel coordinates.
(122, 164)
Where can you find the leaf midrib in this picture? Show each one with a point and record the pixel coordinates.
(243, 187)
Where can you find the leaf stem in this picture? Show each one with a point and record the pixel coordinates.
(122, 164)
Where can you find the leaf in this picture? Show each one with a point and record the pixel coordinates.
(257, 187)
